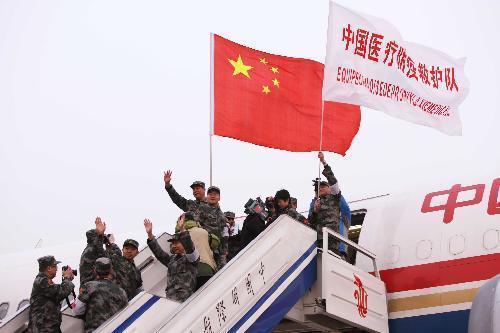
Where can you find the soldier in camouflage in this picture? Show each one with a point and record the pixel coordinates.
(99, 300)
(215, 222)
(187, 205)
(93, 250)
(182, 263)
(283, 206)
(325, 210)
(45, 301)
(128, 275)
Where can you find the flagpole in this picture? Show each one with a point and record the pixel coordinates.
(210, 159)
(211, 129)
(320, 142)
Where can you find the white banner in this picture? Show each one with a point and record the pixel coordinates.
(369, 64)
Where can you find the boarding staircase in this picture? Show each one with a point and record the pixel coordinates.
(280, 282)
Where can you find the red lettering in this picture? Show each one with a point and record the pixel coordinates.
(449, 79)
(390, 50)
(436, 76)
(402, 59)
(493, 204)
(423, 74)
(347, 36)
(412, 70)
(374, 47)
(451, 203)
(361, 42)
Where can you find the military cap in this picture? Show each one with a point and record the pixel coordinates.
(213, 189)
(103, 266)
(197, 183)
(91, 235)
(293, 201)
(189, 215)
(175, 237)
(229, 215)
(131, 242)
(47, 261)
(321, 182)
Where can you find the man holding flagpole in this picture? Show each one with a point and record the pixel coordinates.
(326, 209)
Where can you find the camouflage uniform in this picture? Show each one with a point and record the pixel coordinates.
(329, 211)
(182, 268)
(186, 205)
(45, 304)
(93, 251)
(213, 220)
(128, 276)
(103, 298)
(290, 211)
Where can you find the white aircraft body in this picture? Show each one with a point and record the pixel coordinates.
(435, 246)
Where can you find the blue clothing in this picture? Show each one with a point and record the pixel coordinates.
(345, 217)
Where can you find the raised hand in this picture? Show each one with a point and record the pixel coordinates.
(148, 226)
(321, 157)
(167, 177)
(181, 221)
(100, 227)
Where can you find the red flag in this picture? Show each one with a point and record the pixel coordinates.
(275, 101)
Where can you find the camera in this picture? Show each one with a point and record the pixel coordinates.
(65, 268)
(106, 240)
(256, 206)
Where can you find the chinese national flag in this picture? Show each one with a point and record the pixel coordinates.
(275, 101)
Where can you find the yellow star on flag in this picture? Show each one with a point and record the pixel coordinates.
(274, 70)
(263, 60)
(265, 90)
(276, 82)
(240, 67)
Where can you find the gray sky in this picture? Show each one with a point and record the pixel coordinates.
(97, 98)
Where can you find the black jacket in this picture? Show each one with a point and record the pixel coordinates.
(252, 227)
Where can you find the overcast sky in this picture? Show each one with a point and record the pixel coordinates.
(98, 98)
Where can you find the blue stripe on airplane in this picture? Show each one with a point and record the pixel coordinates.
(447, 322)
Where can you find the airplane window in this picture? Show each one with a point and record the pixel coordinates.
(4, 308)
(23, 303)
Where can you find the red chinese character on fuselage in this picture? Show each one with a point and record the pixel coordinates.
(493, 204)
(451, 204)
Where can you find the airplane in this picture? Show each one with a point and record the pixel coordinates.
(434, 246)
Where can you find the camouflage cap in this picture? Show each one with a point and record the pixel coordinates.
(131, 242)
(91, 235)
(175, 237)
(197, 183)
(229, 215)
(103, 266)
(47, 261)
(321, 182)
(213, 189)
(293, 201)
